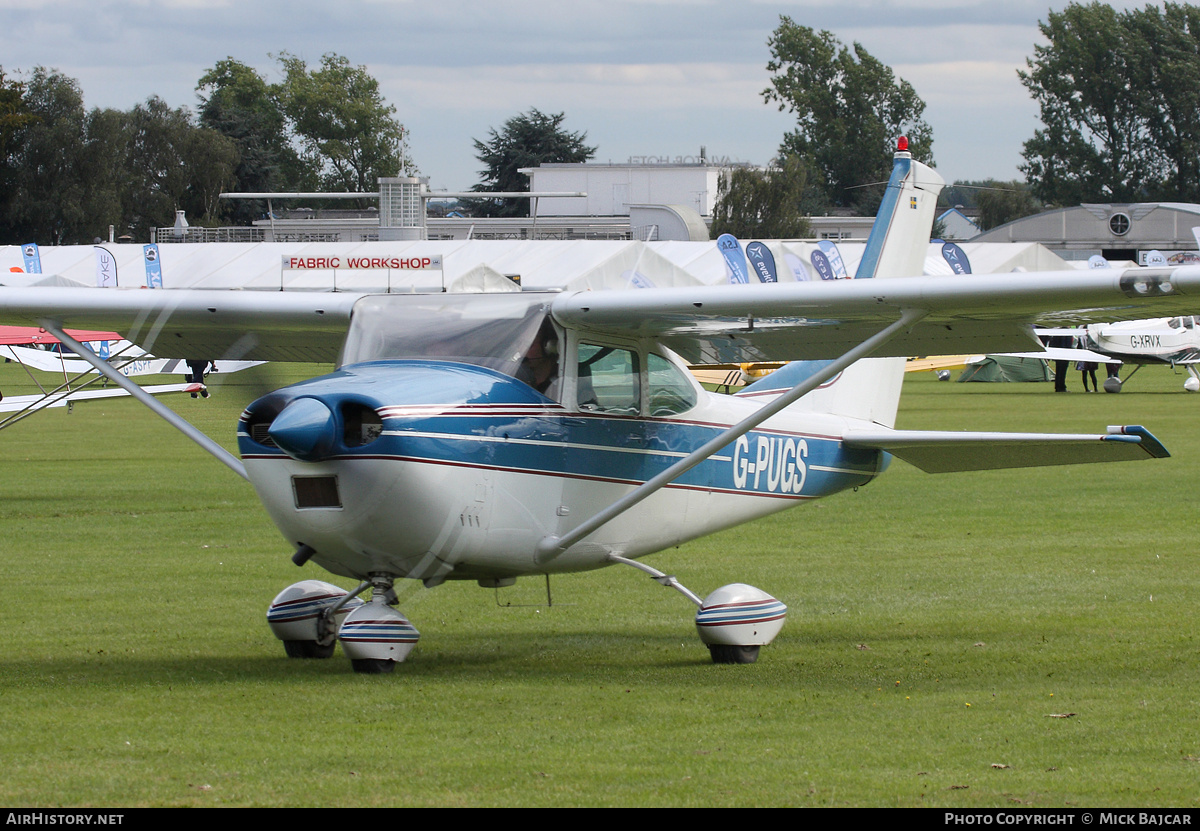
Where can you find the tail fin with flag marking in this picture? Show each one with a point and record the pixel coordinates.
(870, 389)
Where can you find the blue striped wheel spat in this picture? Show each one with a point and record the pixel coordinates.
(750, 612)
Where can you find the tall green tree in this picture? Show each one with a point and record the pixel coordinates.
(997, 202)
(526, 140)
(237, 102)
(762, 203)
(1119, 95)
(14, 117)
(342, 123)
(850, 109)
(49, 197)
(1172, 94)
(14, 114)
(177, 165)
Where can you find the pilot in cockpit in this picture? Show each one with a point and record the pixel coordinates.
(539, 367)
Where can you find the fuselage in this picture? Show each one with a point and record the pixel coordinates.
(1173, 340)
(441, 470)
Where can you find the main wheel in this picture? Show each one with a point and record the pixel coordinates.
(308, 649)
(372, 666)
(724, 654)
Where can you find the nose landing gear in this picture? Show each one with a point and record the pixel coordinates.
(310, 616)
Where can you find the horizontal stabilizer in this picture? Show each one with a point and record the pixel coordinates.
(950, 452)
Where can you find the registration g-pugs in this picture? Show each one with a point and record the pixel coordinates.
(490, 436)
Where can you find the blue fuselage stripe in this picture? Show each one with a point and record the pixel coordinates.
(627, 450)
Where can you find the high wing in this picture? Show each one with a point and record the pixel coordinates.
(1059, 353)
(706, 324)
(786, 321)
(229, 324)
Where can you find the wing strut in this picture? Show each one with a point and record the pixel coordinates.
(550, 547)
(174, 419)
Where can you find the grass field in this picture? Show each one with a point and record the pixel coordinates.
(937, 626)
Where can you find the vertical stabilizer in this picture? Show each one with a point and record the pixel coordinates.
(900, 236)
(870, 389)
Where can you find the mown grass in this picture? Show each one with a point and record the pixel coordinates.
(937, 623)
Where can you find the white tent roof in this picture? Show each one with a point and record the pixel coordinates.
(576, 264)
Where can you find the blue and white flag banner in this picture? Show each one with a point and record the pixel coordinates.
(762, 262)
(153, 266)
(32, 257)
(106, 268)
(956, 258)
(637, 280)
(834, 258)
(799, 270)
(735, 260)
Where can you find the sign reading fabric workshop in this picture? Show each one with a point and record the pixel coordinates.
(354, 263)
(353, 272)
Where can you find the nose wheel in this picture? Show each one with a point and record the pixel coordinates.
(375, 636)
(722, 654)
(310, 617)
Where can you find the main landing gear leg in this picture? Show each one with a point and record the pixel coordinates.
(734, 621)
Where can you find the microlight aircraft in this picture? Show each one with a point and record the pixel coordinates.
(35, 348)
(487, 437)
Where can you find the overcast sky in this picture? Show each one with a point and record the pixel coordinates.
(640, 77)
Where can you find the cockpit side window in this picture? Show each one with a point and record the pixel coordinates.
(608, 380)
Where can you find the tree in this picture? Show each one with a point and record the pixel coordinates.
(997, 202)
(1172, 103)
(237, 102)
(346, 130)
(14, 114)
(1119, 94)
(762, 203)
(176, 165)
(48, 198)
(527, 140)
(1003, 202)
(14, 117)
(850, 110)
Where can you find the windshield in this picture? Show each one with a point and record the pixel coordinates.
(490, 330)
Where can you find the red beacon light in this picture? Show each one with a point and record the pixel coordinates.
(902, 144)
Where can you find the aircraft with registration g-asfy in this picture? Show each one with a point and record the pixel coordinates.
(491, 436)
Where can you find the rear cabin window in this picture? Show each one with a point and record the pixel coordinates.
(669, 390)
(608, 380)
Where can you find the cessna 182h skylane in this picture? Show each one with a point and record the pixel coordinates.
(490, 436)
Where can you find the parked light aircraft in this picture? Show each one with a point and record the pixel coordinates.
(35, 348)
(488, 437)
(1174, 341)
(38, 349)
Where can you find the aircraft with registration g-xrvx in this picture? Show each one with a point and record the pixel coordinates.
(491, 436)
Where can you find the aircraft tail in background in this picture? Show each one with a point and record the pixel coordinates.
(900, 236)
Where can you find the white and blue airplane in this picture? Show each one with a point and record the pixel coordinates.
(1168, 341)
(492, 436)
